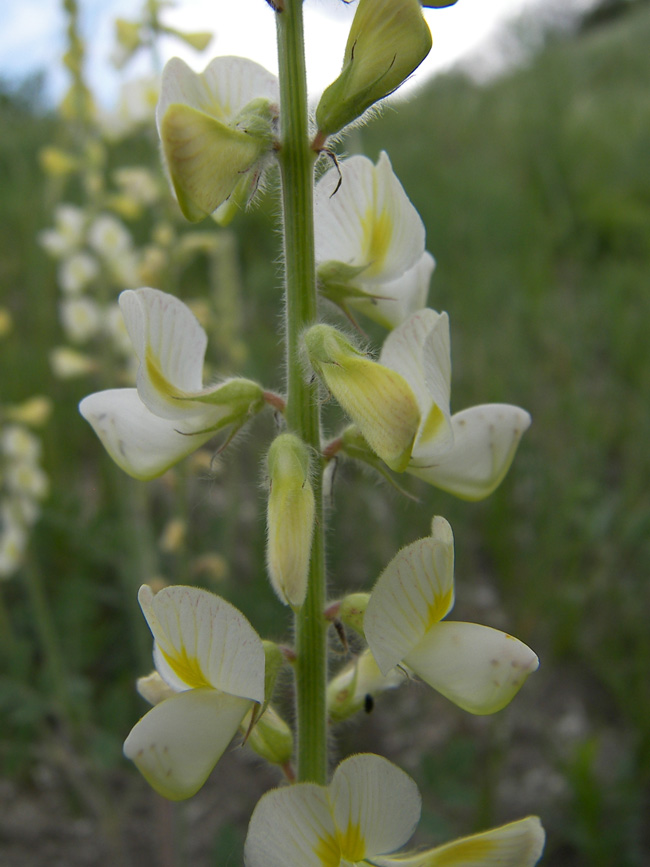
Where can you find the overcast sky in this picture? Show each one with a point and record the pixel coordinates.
(32, 36)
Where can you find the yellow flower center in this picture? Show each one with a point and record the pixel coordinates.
(158, 378)
(377, 234)
(187, 668)
(349, 846)
(437, 609)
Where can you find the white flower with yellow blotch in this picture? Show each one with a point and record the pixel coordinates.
(210, 672)
(478, 668)
(369, 810)
(401, 407)
(217, 129)
(370, 242)
(170, 414)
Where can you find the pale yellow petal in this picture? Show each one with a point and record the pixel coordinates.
(478, 668)
(178, 742)
(518, 844)
(485, 441)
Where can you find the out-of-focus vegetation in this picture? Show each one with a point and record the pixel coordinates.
(535, 191)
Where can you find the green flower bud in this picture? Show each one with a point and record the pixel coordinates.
(290, 519)
(271, 737)
(348, 691)
(387, 41)
(352, 609)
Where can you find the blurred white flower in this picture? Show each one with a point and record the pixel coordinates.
(67, 234)
(77, 271)
(81, 318)
(109, 237)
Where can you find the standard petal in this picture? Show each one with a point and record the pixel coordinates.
(369, 222)
(485, 441)
(414, 591)
(221, 90)
(292, 826)
(376, 806)
(518, 844)
(202, 640)
(140, 443)
(178, 742)
(170, 345)
(419, 350)
(478, 668)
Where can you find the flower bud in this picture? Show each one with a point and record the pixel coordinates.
(347, 692)
(378, 400)
(387, 41)
(271, 737)
(290, 519)
(273, 662)
(352, 609)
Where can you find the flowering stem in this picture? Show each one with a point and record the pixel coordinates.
(302, 412)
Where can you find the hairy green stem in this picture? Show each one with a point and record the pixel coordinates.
(302, 413)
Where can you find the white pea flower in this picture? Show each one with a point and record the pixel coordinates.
(27, 479)
(67, 234)
(77, 271)
(109, 237)
(170, 414)
(20, 444)
(81, 318)
(211, 664)
(135, 107)
(369, 810)
(370, 242)
(217, 130)
(67, 363)
(478, 668)
(401, 407)
(138, 183)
